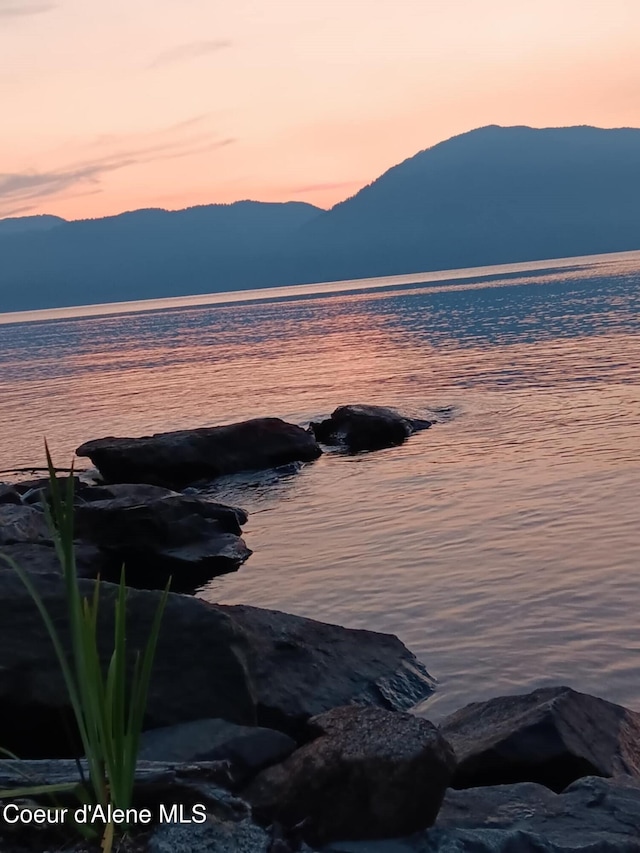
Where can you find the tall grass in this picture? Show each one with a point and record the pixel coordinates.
(109, 703)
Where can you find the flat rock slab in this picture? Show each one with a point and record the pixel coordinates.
(553, 736)
(369, 773)
(247, 749)
(364, 427)
(301, 668)
(593, 815)
(214, 836)
(176, 459)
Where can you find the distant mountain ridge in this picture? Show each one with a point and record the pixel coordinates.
(493, 195)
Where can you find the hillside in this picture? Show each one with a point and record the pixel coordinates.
(493, 195)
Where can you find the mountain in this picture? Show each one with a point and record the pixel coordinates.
(20, 224)
(493, 195)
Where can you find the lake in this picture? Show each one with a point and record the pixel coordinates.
(502, 545)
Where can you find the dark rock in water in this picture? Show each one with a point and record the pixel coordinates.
(367, 427)
(248, 749)
(22, 524)
(187, 539)
(9, 495)
(370, 773)
(552, 736)
(41, 558)
(594, 815)
(301, 668)
(175, 459)
(200, 668)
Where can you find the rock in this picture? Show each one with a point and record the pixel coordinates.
(175, 459)
(367, 427)
(594, 815)
(188, 539)
(200, 668)
(41, 558)
(155, 781)
(370, 773)
(22, 524)
(9, 495)
(552, 736)
(301, 668)
(248, 749)
(214, 836)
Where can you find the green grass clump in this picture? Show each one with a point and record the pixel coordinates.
(109, 706)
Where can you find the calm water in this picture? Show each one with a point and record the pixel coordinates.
(502, 545)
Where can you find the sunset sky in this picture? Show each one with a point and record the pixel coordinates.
(109, 106)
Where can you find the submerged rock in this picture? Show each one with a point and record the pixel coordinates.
(301, 668)
(175, 459)
(367, 427)
(369, 773)
(553, 736)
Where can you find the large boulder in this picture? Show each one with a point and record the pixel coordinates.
(553, 736)
(301, 668)
(369, 773)
(186, 538)
(367, 427)
(247, 749)
(200, 667)
(175, 459)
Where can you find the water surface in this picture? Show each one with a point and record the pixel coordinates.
(502, 545)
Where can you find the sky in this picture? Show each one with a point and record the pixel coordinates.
(119, 104)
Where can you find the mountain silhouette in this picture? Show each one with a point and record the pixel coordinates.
(493, 195)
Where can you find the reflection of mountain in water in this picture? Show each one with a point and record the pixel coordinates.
(494, 195)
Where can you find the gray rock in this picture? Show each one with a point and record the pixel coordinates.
(596, 815)
(593, 815)
(214, 836)
(41, 558)
(200, 667)
(552, 736)
(188, 539)
(301, 668)
(369, 773)
(175, 459)
(22, 524)
(248, 749)
(367, 427)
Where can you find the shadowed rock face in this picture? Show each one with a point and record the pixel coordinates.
(369, 773)
(199, 670)
(175, 459)
(552, 736)
(366, 427)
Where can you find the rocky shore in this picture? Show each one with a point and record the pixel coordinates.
(292, 734)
